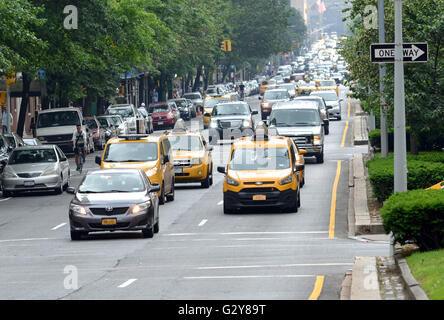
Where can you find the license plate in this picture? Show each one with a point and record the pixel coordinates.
(178, 170)
(29, 183)
(260, 197)
(160, 123)
(109, 222)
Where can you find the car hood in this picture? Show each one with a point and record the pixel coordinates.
(55, 130)
(231, 117)
(111, 199)
(259, 175)
(145, 166)
(31, 167)
(299, 131)
(160, 114)
(332, 103)
(180, 155)
(274, 101)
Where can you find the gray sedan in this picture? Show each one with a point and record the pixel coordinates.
(35, 168)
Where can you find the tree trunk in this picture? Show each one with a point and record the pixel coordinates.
(24, 104)
(197, 81)
(413, 143)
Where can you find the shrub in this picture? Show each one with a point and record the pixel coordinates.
(416, 215)
(421, 175)
(374, 138)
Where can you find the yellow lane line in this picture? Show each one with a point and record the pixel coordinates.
(331, 230)
(317, 288)
(348, 111)
(345, 135)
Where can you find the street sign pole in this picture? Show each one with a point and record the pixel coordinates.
(400, 161)
(382, 106)
(8, 110)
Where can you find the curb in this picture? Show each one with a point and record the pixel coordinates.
(364, 280)
(411, 284)
(346, 286)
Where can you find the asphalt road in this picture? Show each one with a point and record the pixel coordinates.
(200, 253)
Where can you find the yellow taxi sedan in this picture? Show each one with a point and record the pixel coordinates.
(193, 161)
(266, 85)
(262, 171)
(328, 85)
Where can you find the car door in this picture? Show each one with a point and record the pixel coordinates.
(170, 164)
(64, 164)
(294, 164)
(164, 165)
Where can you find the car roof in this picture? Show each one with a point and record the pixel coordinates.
(277, 89)
(43, 146)
(120, 105)
(101, 171)
(153, 137)
(294, 105)
(59, 109)
(324, 91)
(273, 141)
(232, 102)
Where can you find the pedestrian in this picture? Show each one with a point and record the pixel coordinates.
(5, 120)
(155, 96)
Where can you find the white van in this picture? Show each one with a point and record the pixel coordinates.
(56, 126)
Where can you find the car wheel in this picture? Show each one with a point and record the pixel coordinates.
(294, 205)
(148, 232)
(211, 176)
(339, 118)
(67, 181)
(162, 195)
(59, 190)
(170, 197)
(206, 183)
(156, 227)
(320, 158)
(299, 198)
(77, 235)
(7, 194)
(327, 130)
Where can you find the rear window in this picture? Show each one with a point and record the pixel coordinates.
(32, 156)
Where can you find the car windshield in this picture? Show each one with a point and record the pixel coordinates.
(307, 84)
(185, 143)
(276, 95)
(212, 102)
(211, 90)
(57, 119)
(103, 122)
(91, 123)
(192, 96)
(32, 156)
(327, 83)
(286, 87)
(328, 96)
(131, 152)
(112, 182)
(260, 159)
(181, 103)
(230, 109)
(125, 112)
(159, 108)
(295, 117)
(10, 140)
(268, 82)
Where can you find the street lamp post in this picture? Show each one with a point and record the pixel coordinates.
(382, 71)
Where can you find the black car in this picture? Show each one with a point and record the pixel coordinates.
(114, 199)
(231, 120)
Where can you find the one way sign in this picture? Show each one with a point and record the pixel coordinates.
(412, 52)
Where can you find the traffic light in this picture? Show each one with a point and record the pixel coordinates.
(10, 79)
(228, 42)
(3, 98)
(223, 46)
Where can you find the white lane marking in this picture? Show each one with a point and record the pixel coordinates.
(30, 239)
(5, 199)
(252, 276)
(220, 203)
(127, 283)
(59, 226)
(253, 232)
(280, 266)
(203, 222)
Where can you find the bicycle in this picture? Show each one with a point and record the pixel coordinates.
(80, 153)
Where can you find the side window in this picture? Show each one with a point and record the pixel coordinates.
(59, 154)
(293, 155)
(167, 146)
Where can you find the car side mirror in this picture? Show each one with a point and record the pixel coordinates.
(209, 148)
(71, 190)
(10, 148)
(154, 188)
(260, 98)
(300, 167)
(254, 112)
(221, 170)
(98, 160)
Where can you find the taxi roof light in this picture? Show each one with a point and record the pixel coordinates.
(132, 137)
(261, 132)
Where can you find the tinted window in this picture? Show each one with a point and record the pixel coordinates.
(103, 122)
(56, 119)
(295, 117)
(131, 152)
(212, 102)
(276, 95)
(112, 182)
(91, 123)
(231, 109)
(125, 112)
(32, 156)
(159, 108)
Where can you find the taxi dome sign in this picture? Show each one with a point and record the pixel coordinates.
(412, 52)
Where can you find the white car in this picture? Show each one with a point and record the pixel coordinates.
(135, 122)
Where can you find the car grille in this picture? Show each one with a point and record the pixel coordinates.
(62, 137)
(230, 124)
(258, 190)
(182, 174)
(112, 212)
(182, 163)
(29, 175)
(302, 141)
(258, 183)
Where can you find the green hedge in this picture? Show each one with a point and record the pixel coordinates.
(374, 138)
(421, 175)
(416, 215)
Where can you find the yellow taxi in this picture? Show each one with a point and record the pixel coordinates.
(193, 161)
(263, 170)
(438, 186)
(209, 104)
(151, 153)
(266, 85)
(328, 85)
(305, 88)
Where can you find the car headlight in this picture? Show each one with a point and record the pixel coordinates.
(141, 207)
(317, 140)
(50, 172)
(79, 210)
(286, 180)
(213, 124)
(152, 172)
(9, 173)
(246, 123)
(195, 161)
(232, 182)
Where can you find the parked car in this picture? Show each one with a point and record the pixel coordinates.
(108, 126)
(332, 101)
(163, 115)
(148, 120)
(185, 111)
(97, 132)
(114, 199)
(34, 168)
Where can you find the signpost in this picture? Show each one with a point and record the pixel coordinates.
(412, 52)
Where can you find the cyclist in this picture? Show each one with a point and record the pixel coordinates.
(242, 91)
(79, 145)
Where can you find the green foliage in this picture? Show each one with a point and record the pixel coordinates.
(416, 215)
(374, 137)
(421, 175)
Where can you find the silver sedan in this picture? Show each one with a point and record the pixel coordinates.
(35, 168)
